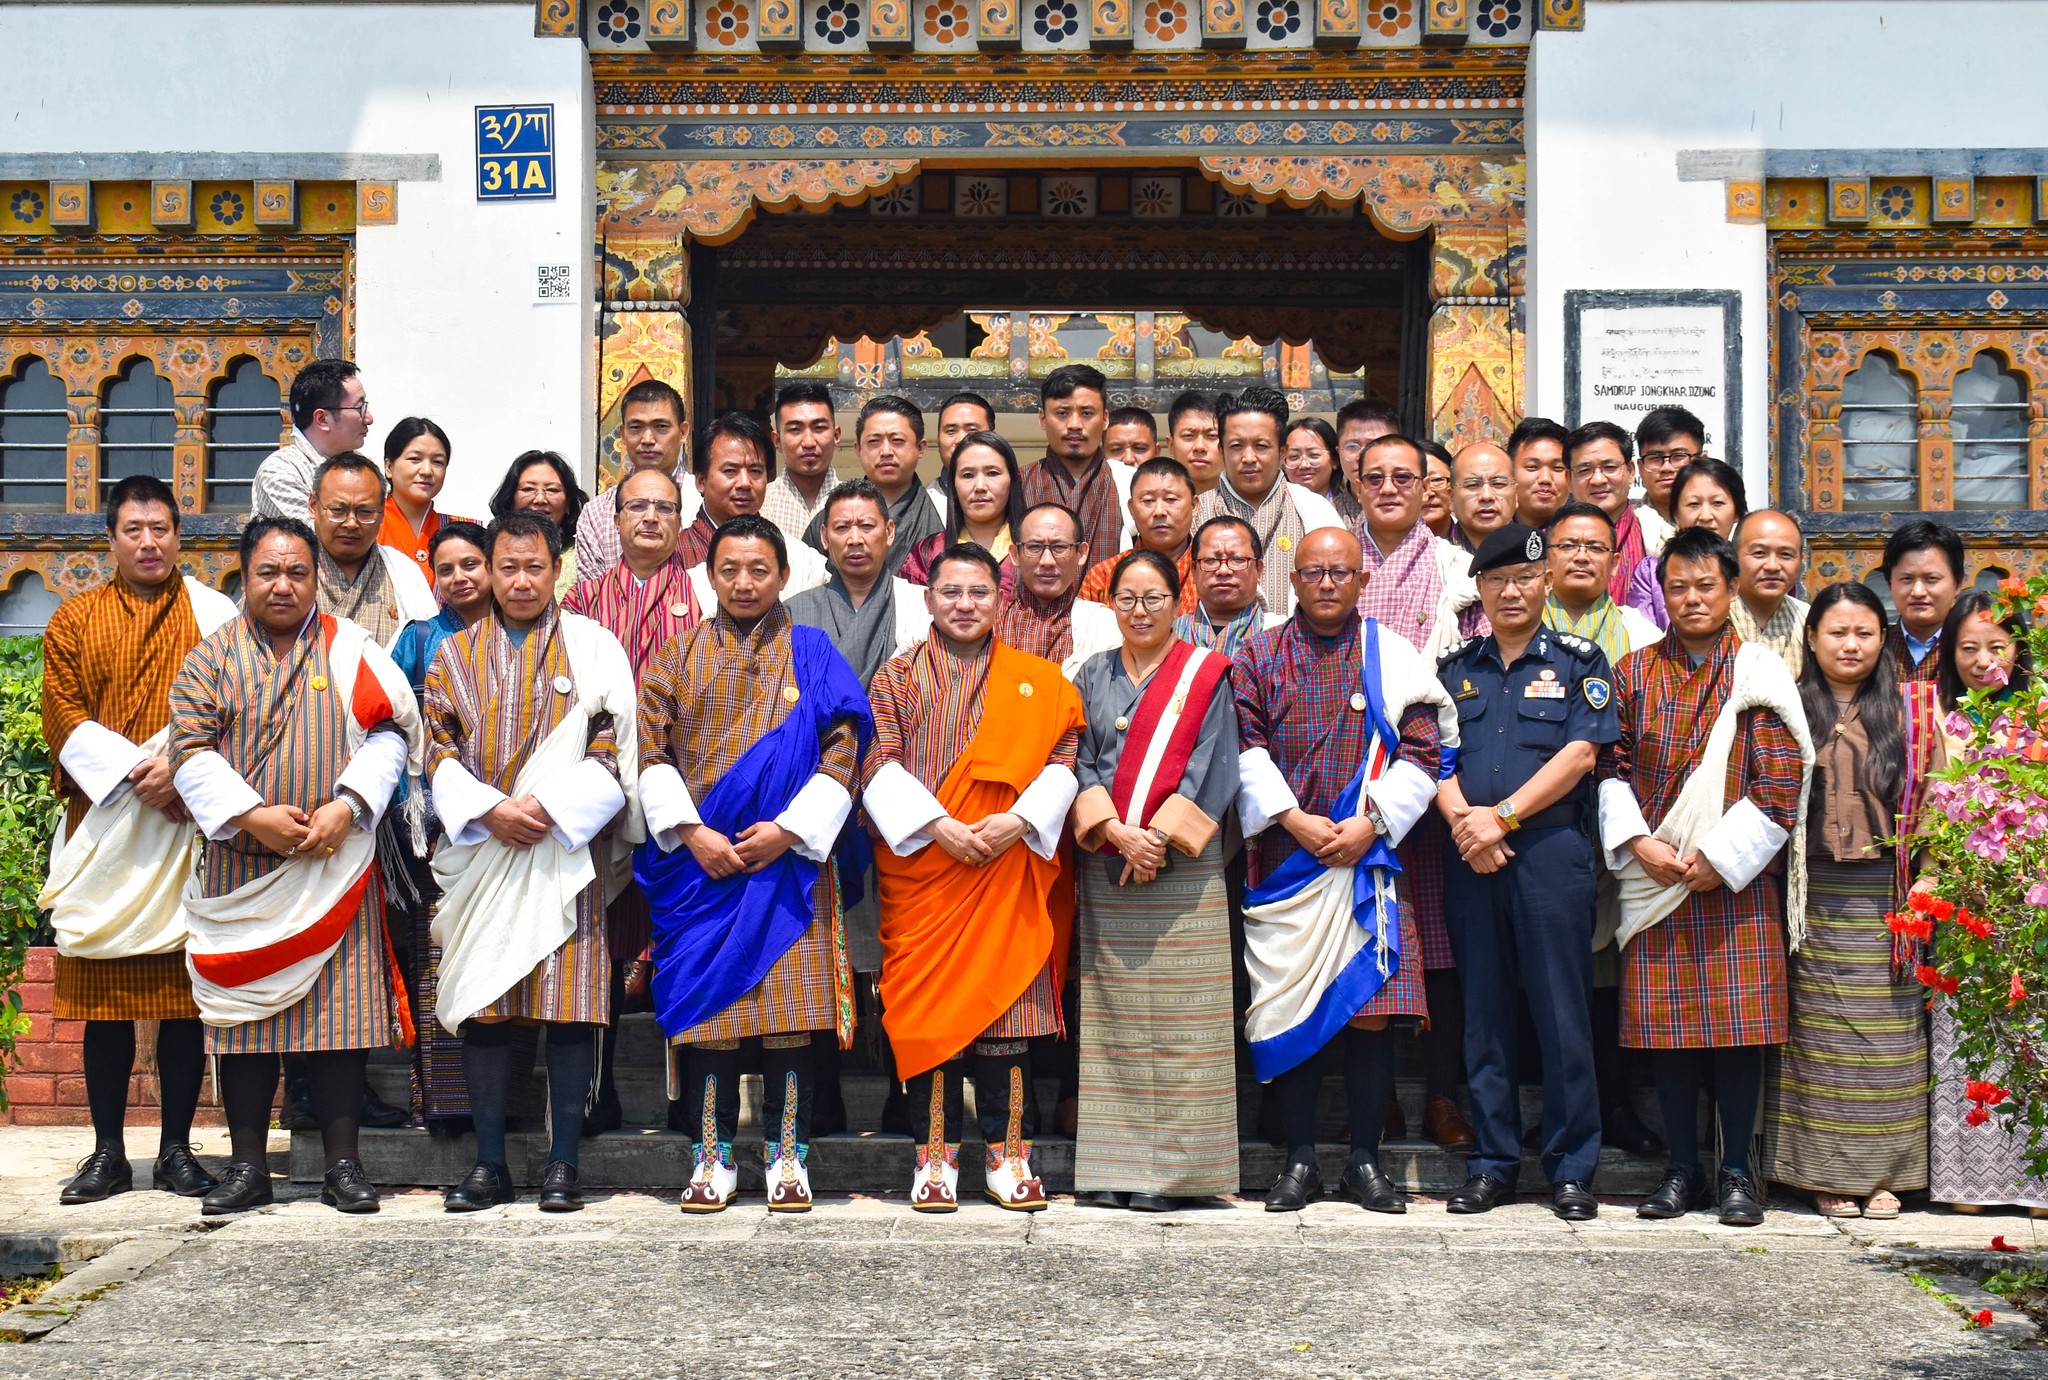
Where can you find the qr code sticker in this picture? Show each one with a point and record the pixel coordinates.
(551, 283)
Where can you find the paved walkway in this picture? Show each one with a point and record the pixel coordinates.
(862, 1285)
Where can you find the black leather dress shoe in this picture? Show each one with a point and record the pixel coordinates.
(244, 1186)
(1368, 1186)
(100, 1175)
(1742, 1203)
(348, 1189)
(1675, 1197)
(558, 1190)
(179, 1172)
(1621, 1128)
(1297, 1187)
(1104, 1198)
(1151, 1202)
(381, 1114)
(1481, 1193)
(487, 1186)
(1574, 1201)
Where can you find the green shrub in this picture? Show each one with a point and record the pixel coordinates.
(28, 817)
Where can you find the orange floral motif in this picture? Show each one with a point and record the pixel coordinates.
(726, 22)
(945, 21)
(1388, 17)
(1166, 20)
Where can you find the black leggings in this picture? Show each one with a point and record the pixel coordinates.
(110, 1060)
(336, 1079)
(1736, 1076)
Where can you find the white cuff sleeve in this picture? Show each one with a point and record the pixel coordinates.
(1043, 807)
(374, 772)
(667, 804)
(816, 815)
(1742, 844)
(462, 801)
(581, 801)
(1621, 821)
(99, 760)
(901, 807)
(1263, 794)
(215, 793)
(1404, 793)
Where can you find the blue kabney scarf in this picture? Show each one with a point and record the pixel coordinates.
(715, 940)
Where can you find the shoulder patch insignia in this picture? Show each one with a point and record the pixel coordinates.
(1597, 692)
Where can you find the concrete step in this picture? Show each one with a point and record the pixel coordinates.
(660, 1161)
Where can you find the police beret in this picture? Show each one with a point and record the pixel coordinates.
(1515, 544)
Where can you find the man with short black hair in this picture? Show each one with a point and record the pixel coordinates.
(374, 586)
(1228, 608)
(734, 463)
(1195, 438)
(1163, 515)
(652, 430)
(807, 436)
(1770, 548)
(1542, 474)
(1047, 617)
(1360, 422)
(869, 616)
(959, 417)
(1132, 437)
(330, 416)
(1923, 564)
(1602, 473)
(889, 436)
(1073, 411)
(1255, 487)
(115, 890)
(1667, 440)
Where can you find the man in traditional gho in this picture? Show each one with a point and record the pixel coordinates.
(531, 714)
(869, 616)
(289, 731)
(1482, 493)
(117, 880)
(1163, 520)
(373, 586)
(967, 786)
(1770, 549)
(806, 440)
(735, 461)
(1343, 730)
(645, 600)
(652, 429)
(1697, 800)
(751, 733)
(1048, 618)
(888, 437)
(1228, 568)
(1255, 487)
(1073, 412)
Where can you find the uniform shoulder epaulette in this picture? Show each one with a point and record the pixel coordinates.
(1454, 653)
(1572, 641)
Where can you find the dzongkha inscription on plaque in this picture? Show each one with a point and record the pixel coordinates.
(1628, 353)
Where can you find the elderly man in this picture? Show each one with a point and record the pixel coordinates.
(1195, 438)
(888, 435)
(1163, 514)
(1534, 707)
(1073, 411)
(807, 436)
(1048, 618)
(1482, 493)
(330, 416)
(1344, 761)
(1703, 890)
(1923, 564)
(289, 731)
(975, 745)
(1256, 489)
(735, 461)
(651, 435)
(1769, 550)
(116, 884)
(1228, 609)
(1542, 475)
(1602, 473)
(869, 616)
(373, 586)
(531, 718)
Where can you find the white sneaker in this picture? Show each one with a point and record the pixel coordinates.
(936, 1186)
(1009, 1182)
(789, 1183)
(711, 1187)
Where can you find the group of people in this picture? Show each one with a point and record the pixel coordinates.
(1259, 740)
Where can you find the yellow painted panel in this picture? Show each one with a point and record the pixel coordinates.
(223, 208)
(24, 208)
(121, 208)
(327, 206)
(1798, 203)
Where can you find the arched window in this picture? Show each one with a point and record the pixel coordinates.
(138, 421)
(34, 423)
(1990, 417)
(244, 423)
(1880, 434)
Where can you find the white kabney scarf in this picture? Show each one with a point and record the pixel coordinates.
(1297, 948)
(262, 928)
(503, 909)
(1761, 681)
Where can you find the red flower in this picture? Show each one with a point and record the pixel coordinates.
(1999, 1243)
(1920, 902)
(1974, 924)
(1982, 1317)
(2012, 587)
(1976, 1116)
(2017, 993)
(1940, 909)
(1933, 977)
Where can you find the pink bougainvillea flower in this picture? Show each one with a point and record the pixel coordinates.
(2037, 894)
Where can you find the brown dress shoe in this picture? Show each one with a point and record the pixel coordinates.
(1443, 1123)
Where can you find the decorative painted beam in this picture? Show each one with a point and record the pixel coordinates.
(1446, 23)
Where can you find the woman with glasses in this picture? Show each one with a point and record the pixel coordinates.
(982, 492)
(1436, 491)
(1158, 774)
(541, 481)
(416, 454)
(1309, 458)
(1707, 493)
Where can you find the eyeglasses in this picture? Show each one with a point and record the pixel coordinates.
(1499, 484)
(1220, 562)
(1296, 457)
(640, 507)
(540, 491)
(1577, 548)
(361, 409)
(1527, 580)
(970, 594)
(1610, 470)
(345, 516)
(1401, 480)
(1151, 603)
(1056, 549)
(1437, 483)
(1326, 574)
(1670, 457)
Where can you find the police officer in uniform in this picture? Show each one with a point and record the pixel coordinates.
(1534, 707)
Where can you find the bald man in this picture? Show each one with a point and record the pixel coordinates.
(1482, 492)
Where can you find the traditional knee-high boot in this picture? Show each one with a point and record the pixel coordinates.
(715, 1085)
(788, 1087)
(935, 1107)
(1002, 1078)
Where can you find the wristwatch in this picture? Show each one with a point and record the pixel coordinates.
(1505, 813)
(1379, 821)
(358, 811)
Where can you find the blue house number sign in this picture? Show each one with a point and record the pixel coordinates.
(515, 153)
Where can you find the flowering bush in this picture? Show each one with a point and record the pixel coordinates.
(28, 816)
(1983, 901)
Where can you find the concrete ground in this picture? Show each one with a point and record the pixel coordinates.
(630, 1287)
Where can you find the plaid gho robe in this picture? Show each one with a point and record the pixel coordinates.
(1712, 973)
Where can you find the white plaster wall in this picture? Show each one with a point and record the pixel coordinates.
(444, 322)
(1610, 107)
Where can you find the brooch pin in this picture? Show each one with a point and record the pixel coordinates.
(1358, 703)
(789, 693)
(319, 682)
(1024, 689)
(563, 685)
(678, 610)
(1122, 723)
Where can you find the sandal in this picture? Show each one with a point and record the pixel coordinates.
(1881, 1206)
(1834, 1205)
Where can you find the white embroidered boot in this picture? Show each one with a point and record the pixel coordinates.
(788, 1180)
(935, 1187)
(1009, 1183)
(715, 1178)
